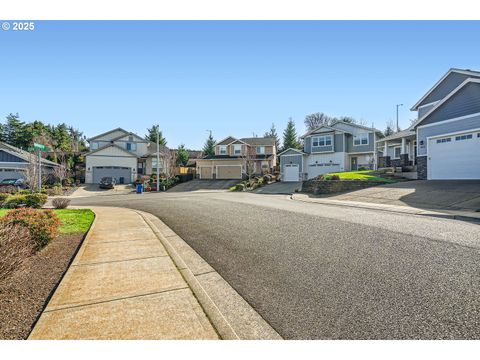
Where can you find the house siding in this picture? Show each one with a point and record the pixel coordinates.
(425, 109)
(446, 87)
(464, 102)
(444, 128)
(7, 157)
(291, 157)
(308, 148)
(350, 148)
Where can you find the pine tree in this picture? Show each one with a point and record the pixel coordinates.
(273, 134)
(182, 156)
(14, 132)
(209, 147)
(152, 135)
(290, 138)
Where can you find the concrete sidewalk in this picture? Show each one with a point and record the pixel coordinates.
(444, 213)
(123, 285)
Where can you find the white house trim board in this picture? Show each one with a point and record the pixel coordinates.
(459, 71)
(284, 151)
(446, 98)
(449, 120)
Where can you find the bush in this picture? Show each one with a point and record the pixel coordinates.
(55, 191)
(25, 192)
(240, 187)
(60, 203)
(9, 189)
(42, 224)
(67, 182)
(36, 200)
(16, 245)
(14, 201)
(335, 177)
(3, 197)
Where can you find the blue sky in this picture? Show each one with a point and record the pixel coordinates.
(229, 77)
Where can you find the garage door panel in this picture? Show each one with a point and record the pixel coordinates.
(454, 157)
(112, 171)
(291, 172)
(206, 172)
(229, 172)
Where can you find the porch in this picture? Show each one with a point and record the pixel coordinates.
(398, 150)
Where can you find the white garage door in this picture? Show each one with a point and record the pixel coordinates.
(315, 170)
(291, 172)
(121, 174)
(454, 157)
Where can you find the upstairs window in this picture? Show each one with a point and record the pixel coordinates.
(131, 146)
(360, 139)
(237, 149)
(94, 146)
(325, 140)
(222, 149)
(260, 149)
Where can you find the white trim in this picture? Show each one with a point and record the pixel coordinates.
(446, 98)
(449, 120)
(332, 144)
(284, 151)
(240, 153)
(451, 134)
(226, 139)
(429, 104)
(368, 139)
(396, 147)
(459, 71)
(360, 153)
(292, 155)
(220, 149)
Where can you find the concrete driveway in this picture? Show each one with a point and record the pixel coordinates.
(199, 185)
(432, 194)
(279, 188)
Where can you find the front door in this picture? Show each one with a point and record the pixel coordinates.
(353, 164)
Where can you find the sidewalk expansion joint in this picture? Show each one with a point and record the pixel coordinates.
(123, 260)
(113, 300)
(117, 241)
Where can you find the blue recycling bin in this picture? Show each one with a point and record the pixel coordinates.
(139, 188)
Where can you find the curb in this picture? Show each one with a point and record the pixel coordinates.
(409, 211)
(229, 313)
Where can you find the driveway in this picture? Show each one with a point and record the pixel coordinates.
(88, 190)
(315, 271)
(199, 185)
(287, 188)
(432, 194)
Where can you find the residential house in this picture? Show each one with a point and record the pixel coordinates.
(340, 146)
(123, 155)
(444, 142)
(15, 162)
(236, 158)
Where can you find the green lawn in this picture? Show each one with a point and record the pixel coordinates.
(361, 175)
(74, 221)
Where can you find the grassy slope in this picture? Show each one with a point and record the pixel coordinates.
(74, 221)
(361, 175)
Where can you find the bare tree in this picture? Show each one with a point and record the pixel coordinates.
(249, 158)
(316, 120)
(60, 172)
(170, 162)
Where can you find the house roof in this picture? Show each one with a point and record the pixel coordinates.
(152, 149)
(129, 134)
(257, 141)
(108, 132)
(24, 155)
(445, 99)
(398, 135)
(331, 127)
(108, 146)
(226, 141)
(437, 84)
(296, 150)
(355, 125)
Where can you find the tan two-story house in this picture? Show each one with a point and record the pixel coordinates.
(237, 158)
(123, 155)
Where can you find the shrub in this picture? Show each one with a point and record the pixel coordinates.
(240, 187)
(9, 189)
(25, 192)
(362, 168)
(42, 224)
(54, 191)
(3, 197)
(14, 201)
(60, 203)
(68, 181)
(335, 177)
(36, 200)
(16, 245)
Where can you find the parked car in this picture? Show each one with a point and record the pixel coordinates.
(19, 183)
(107, 182)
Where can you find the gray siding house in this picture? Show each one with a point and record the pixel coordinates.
(444, 142)
(338, 147)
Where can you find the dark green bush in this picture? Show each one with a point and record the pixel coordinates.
(14, 201)
(36, 200)
(240, 187)
(3, 197)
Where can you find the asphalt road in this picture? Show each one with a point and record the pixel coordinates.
(327, 272)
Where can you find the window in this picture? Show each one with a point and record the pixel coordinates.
(94, 145)
(360, 139)
(260, 149)
(131, 146)
(463, 137)
(154, 166)
(444, 140)
(325, 140)
(237, 149)
(222, 149)
(397, 152)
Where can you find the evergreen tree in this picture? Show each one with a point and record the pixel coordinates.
(273, 133)
(14, 132)
(152, 135)
(290, 138)
(388, 131)
(182, 156)
(209, 147)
